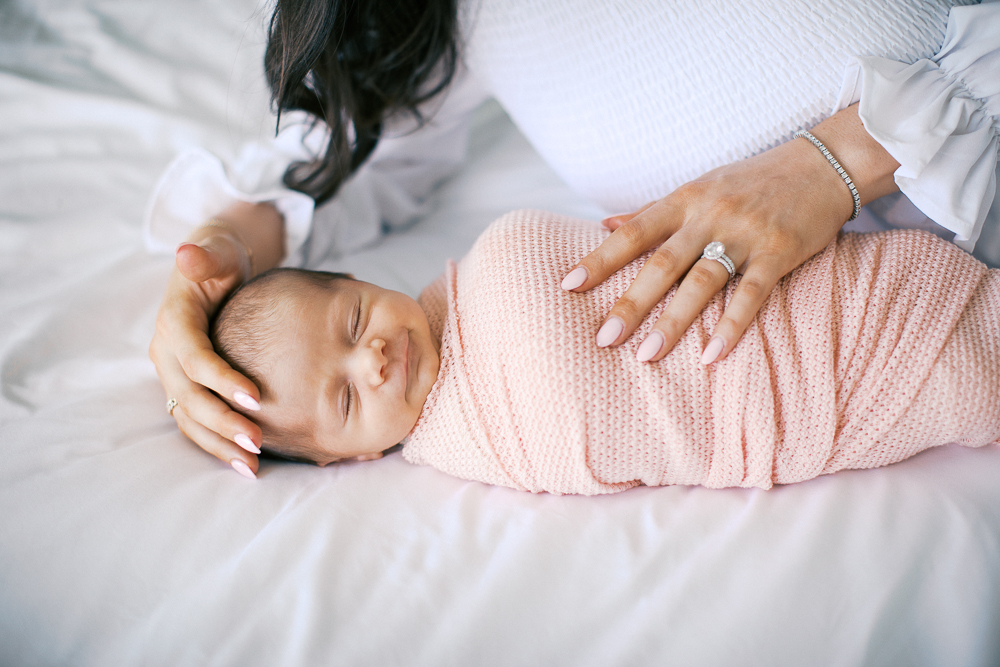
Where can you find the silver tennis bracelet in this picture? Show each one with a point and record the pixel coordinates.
(836, 165)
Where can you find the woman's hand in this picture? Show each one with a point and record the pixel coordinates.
(771, 211)
(212, 264)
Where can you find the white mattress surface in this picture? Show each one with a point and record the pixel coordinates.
(121, 543)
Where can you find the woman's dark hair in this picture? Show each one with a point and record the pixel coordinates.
(352, 63)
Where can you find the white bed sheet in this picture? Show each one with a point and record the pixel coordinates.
(121, 543)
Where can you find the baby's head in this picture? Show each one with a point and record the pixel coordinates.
(343, 366)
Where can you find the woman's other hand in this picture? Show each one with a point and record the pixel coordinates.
(771, 211)
(212, 263)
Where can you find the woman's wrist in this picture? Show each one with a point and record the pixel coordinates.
(255, 230)
(855, 196)
(247, 250)
(868, 164)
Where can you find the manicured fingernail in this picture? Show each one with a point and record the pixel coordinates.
(610, 332)
(242, 468)
(246, 443)
(650, 347)
(246, 400)
(575, 278)
(712, 350)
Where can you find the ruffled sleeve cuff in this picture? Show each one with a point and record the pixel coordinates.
(195, 188)
(940, 119)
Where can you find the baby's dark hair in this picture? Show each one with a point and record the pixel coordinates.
(244, 329)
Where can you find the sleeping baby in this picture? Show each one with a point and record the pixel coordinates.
(859, 358)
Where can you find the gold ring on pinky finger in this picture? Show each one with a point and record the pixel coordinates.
(715, 250)
(171, 404)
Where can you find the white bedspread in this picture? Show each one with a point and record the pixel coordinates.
(121, 543)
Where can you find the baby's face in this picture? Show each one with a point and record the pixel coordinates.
(352, 367)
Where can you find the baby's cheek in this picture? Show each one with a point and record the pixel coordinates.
(399, 424)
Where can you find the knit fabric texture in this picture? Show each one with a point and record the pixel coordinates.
(859, 358)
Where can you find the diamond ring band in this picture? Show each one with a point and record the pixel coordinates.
(171, 404)
(715, 250)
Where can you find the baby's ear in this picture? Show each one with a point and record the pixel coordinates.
(369, 457)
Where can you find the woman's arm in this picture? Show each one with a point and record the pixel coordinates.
(213, 261)
(771, 211)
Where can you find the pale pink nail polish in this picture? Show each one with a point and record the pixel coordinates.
(575, 278)
(610, 332)
(246, 400)
(712, 350)
(242, 468)
(650, 347)
(246, 443)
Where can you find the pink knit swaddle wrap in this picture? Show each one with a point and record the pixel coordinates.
(861, 357)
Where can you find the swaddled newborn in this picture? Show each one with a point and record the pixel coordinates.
(859, 358)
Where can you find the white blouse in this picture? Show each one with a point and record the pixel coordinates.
(628, 100)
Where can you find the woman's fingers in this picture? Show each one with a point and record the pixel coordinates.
(203, 406)
(216, 257)
(197, 263)
(663, 268)
(699, 286)
(242, 461)
(181, 344)
(199, 362)
(646, 230)
(705, 279)
(754, 288)
(213, 414)
(613, 222)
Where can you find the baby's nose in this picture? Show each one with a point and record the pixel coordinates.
(374, 362)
